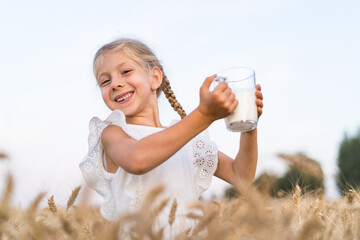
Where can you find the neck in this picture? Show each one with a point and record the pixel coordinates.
(149, 117)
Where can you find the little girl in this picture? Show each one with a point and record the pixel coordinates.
(131, 151)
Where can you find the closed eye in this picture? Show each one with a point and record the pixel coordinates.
(104, 82)
(125, 72)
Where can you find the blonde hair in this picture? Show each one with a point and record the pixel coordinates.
(141, 54)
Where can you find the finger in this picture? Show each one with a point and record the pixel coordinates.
(259, 103)
(227, 92)
(221, 87)
(233, 106)
(258, 87)
(206, 85)
(259, 95)
(259, 110)
(231, 97)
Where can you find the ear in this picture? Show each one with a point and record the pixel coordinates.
(156, 78)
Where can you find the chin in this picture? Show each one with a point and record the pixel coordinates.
(127, 113)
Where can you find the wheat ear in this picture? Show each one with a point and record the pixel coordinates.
(172, 214)
(296, 200)
(3, 156)
(355, 194)
(52, 205)
(73, 196)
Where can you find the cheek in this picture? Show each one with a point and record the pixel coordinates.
(107, 99)
(142, 81)
(105, 94)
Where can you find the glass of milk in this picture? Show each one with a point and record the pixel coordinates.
(241, 80)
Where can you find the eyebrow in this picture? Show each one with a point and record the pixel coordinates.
(104, 73)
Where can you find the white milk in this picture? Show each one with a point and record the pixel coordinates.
(244, 118)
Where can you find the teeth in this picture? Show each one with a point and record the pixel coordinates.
(124, 97)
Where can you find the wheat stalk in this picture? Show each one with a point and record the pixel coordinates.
(192, 215)
(309, 228)
(160, 207)
(8, 190)
(204, 222)
(36, 202)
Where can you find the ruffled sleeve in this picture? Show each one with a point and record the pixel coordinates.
(205, 160)
(91, 166)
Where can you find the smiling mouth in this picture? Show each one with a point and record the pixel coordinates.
(124, 98)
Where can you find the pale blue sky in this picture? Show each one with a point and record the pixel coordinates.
(305, 54)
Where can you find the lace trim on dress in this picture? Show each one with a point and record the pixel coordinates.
(205, 160)
(92, 166)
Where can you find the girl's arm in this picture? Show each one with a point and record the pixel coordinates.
(139, 157)
(243, 168)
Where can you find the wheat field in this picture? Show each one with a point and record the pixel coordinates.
(253, 215)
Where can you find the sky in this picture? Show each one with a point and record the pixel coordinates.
(305, 55)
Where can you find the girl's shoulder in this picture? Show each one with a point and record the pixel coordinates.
(96, 126)
(117, 118)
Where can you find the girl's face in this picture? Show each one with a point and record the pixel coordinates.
(127, 86)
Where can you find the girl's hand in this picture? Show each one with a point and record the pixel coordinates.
(259, 98)
(218, 103)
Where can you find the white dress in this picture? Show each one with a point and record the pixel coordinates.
(185, 175)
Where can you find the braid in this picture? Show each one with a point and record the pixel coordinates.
(165, 86)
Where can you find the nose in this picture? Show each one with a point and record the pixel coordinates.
(117, 83)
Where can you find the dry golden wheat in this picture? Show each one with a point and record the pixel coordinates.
(3, 156)
(52, 205)
(73, 197)
(172, 212)
(254, 215)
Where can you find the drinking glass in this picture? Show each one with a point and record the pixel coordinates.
(241, 80)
